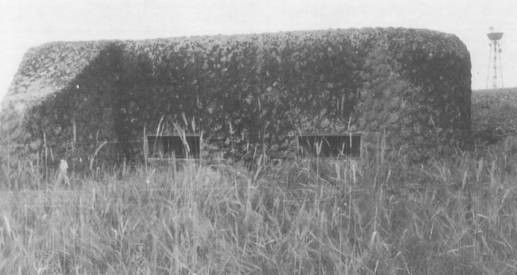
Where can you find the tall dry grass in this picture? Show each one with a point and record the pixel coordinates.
(317, 216)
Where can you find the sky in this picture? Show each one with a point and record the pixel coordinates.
(29, 23)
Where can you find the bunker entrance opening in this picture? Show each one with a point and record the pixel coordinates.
(330, 145)
(179, 147)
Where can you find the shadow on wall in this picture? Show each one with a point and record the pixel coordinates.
(75, 121)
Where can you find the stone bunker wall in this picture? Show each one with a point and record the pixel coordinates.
(249, 93)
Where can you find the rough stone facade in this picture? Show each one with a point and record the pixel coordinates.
(244, 93)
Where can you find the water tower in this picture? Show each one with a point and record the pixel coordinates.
(495, 66)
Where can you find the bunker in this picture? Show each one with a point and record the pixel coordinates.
(100, 102)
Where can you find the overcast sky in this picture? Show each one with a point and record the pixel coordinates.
(28, 23)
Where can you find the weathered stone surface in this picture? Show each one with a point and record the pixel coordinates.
(244, 93)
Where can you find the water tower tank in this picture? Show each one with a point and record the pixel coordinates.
(494, 35)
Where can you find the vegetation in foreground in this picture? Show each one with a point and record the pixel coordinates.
(370, 216)
(493, 114)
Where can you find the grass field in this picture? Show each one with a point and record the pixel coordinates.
(377, 215)
(494, 114)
